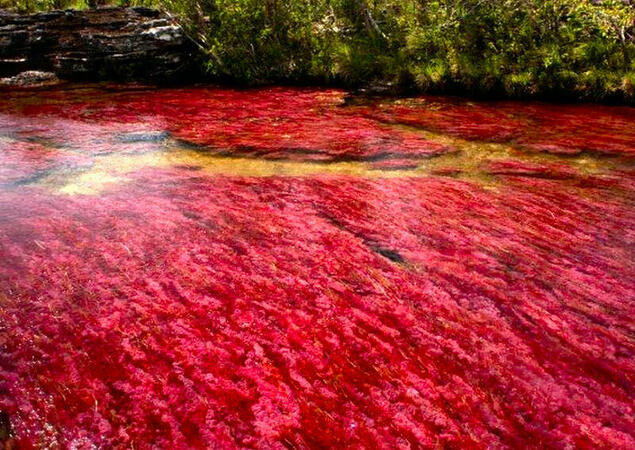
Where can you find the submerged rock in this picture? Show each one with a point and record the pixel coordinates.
(5, 427)
(101, 44)
(143, 136)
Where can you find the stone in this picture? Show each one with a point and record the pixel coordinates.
(31, 78)
(143, 136)
(125, 44)
(5, 427)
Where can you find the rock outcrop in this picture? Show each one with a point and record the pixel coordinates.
(101, 44)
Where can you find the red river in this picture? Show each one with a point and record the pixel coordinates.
(296, 268)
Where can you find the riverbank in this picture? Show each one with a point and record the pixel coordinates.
(577, 51)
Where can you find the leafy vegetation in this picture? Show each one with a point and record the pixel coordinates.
(574, 48)
(29, 6)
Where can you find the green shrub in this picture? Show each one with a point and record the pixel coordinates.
(575, 48)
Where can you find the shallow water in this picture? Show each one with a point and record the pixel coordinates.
(292, 267)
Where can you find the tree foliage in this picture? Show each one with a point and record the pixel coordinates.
(582, 48)
(517, 47)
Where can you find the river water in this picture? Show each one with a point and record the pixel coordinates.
(295, 267)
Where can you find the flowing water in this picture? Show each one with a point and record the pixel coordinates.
(297, 268)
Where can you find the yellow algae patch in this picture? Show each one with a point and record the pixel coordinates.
(465, 160)
(88, 183)
(114, 168)
(470, 155)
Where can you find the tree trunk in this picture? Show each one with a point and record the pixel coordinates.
(369, 21)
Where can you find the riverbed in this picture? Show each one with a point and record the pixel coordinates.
(299, 267)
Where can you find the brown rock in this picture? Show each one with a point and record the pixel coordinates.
(100, 44)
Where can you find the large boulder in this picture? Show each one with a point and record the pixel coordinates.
(99, 44)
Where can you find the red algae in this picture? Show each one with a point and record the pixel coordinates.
(23, 161)
(551, 128)
(276, 123)
(180, 307)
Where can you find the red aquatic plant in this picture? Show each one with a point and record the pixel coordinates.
(180, 309)
(305, 124)
(551, 128)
